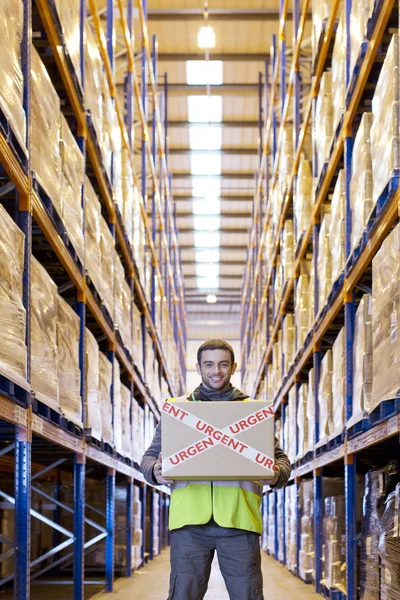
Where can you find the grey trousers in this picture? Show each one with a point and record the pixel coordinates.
(239, 558)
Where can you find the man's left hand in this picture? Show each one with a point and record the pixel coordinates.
(275, 479)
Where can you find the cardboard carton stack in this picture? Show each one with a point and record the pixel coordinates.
(324, 263)
(334, 546)
(361, 11)
(137, 522)
(69, 375)
(307, 547)
(338, 384)
(362, 360)
(92, 236)
(361, 179)
(337, 227)
(323, 123)
(302, 422)
(339, 69)
(93, 398)
(325, 399)
(303, 198)
(105, 382)
(291, 529)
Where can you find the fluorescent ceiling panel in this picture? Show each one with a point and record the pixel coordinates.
(202, 72)
(205, 164)
(204, 270)
(205, 109)
(205, 188)
(207, 223)
(207, 283)
(209, 239)
(207, 256)
(205, 138)
(207, 206)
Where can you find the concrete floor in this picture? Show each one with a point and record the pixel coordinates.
(151, 583)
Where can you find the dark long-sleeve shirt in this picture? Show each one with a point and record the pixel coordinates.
(151, 455)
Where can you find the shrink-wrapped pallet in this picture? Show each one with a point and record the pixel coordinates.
(288, 251)
(361, 179)
(128, 194)
(73, 176)
(291, 528)
(334, 547)
(323, 122)
(13, 352)
(122, 304)
(44, 352)
(126, 421)
(94, 82)
(325, 399)
(92, 236)
(338, 384)
(117, 406)
(69, 375)
(105, 382)
(290, 419)
(277, 364)
(386, 320)
(379, 483)
(286, 159)
(117, 170)
(320, 14)
(45, 139)
(278, 283)
(111, 136)
(93, 403)
(137, 432)
(271, 523)
(280, 524)
(339, 69)
(361, 11)
(324, 263)
(302, 310)
(276, 201)
(303, 198)
(302, 422)
(270, 384)
(385, 133)
(137, 338)
(389, 546)
(311, 411)
(11, 78)
(69, 15)
(288, 342)
(362, 361)
(337, 228)
(311, 296)
(107, 247)
(307, 546)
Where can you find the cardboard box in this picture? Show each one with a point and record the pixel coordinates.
(217, 440)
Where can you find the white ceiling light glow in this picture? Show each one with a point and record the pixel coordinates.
(206, 37)
(209, 239)
(207, 206)
(206, 187)
(207, 256)
(207, 283)
(204, 270)
(211, 299)
(203, 72)
(205, 138)
(205, 109)
(205, 164)
(207, 223)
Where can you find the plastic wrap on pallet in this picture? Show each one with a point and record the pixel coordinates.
(339, 69)
(45, 138)
(117, 404)
(107, 246)
(92, 236)
(287, 251)
(362, 361)
(271, 523)
(334, 545)
(122, 304)
(302, 422)
(276, 199)
(286, 159)
(338, 384)
(311, 296)
(69, 375)
(379, 483)
(361, 11)
(44, 352)
(361, 179)
(93, 403)
(389, 547)
(337, 228)
(280, 523)
(11, 78)
(291, 528)
(128, 194)
(126, 421)
(323, 122)
(73, 177)
(69, 15)
(291, 421)
(288, 342)
(277, 364)
(111, 133)
(13, 351)
(137, 432)
(386, 320)
(270, 384)
(324, 263)
(137, 338)
(320, 15)
(385, 129)
(311, 411)
(303, 198)
(117, 170)
(307, 547)
(94, 81)
(325, 398)
(105, 382)
(302, 310)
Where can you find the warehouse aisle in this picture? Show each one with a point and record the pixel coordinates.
(151, 583)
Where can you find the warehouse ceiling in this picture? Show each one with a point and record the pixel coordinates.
(213, 140)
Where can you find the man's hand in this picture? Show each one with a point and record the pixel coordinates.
(157, 472)
(275, 480)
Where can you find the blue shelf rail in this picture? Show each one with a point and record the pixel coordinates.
(348, 450)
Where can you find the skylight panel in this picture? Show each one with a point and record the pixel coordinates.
(207, 223)
(210, 205)
(202, 72)
(206, 188)
(209, 239)
(205, 109)
(209, 271)
(205, 164)
(207, 283)
(205, 138)
(207, 256)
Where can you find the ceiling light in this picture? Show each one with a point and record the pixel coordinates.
(205, 109)
(211, 298)
(206, 37)
(207, 223)
(207, 270)
(205, 164)
(207, 206)
(209, 187)
(205, 138)
(209, 239)
(207, 256)
(204, 72)
(207, 283)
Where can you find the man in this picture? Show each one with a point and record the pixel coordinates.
(221, 516)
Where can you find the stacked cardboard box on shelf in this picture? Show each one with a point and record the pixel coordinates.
(69, 16)
(389, 546)
(338, 384)
(94, 81)
(92, 236)
(69, 375)
(302, 422)
(117, 405)
(311, 411)
(307, 547)
(339, 69)
(337, 228)
(361, 179)
(156, 524)
(93, 396)
(137, 523)
(280, 523)
(271, 524)
(320, 15)
(302, 310)
(105, 382)
(324, 263)
(291, 527)
(287, 250)
(107, 247)
(137, 432)
(303, 198)
(362, 360)
(325, 399)
(323, 122)
(334, 546)
(288, 342)
(361, 11)
(122, 304)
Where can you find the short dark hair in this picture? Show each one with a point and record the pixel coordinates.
(215, 345)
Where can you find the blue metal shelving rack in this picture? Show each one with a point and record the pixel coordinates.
(351, 447)
(51, 444)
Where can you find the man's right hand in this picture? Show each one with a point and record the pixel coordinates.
(157, 472)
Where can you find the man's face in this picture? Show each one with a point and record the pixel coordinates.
(216, 368)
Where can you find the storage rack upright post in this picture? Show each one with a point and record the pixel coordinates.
(375, 438)
(43, 443)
